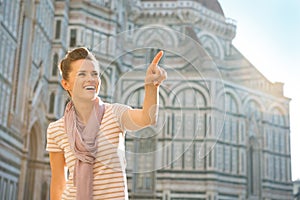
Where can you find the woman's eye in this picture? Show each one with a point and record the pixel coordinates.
(81, 74)
(95, 74)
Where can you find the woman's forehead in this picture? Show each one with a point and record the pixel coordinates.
(84, 65)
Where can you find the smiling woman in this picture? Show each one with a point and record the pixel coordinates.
(83, 77)
(89, 139)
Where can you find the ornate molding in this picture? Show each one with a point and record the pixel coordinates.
(188, 12)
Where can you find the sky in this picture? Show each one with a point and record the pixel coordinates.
(268, 35)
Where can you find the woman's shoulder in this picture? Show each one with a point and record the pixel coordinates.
(58, 124)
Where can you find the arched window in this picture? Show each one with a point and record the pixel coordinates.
(230, 135)
(210, 45)
(254, 168)
(254, 110)
(103, 88)
(51, 103)
(136, 98)
(279, 142)
(277, 118)
(189, 98)
(57, 29)
(55, 65)
(189, 121)
(254, 114)
(144, 145)
(230, 128)
(144, 161)
(32, 156)
(73, 37)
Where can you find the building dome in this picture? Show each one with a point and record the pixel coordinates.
(213, 5)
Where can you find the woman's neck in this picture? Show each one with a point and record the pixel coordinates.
(83, 109)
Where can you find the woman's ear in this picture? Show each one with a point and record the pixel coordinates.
(65, 84)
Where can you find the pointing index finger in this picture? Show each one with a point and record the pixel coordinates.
(157, 58)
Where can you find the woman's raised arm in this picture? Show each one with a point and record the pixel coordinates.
(136, 119)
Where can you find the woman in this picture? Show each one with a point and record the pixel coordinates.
(89, 138)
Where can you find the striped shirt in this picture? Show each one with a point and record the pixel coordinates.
(109, 168)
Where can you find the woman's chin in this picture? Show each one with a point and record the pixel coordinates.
(86, 97)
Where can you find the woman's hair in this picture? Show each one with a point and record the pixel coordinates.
(75, 54)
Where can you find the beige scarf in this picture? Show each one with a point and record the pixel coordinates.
(83, 143)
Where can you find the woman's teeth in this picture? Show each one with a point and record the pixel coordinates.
(89, 87)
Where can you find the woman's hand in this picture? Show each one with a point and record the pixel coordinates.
(155, 75)
(135, 119)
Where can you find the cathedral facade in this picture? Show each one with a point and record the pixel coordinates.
(223, 129)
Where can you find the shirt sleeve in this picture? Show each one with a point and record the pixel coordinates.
(118, 110)
(52, 145)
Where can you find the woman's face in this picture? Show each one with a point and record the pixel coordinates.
(84, 81)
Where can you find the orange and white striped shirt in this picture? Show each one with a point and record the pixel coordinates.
(109, 168)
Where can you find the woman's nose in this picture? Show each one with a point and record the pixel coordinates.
(91, 77)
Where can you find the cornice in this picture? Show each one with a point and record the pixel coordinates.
(185, 12)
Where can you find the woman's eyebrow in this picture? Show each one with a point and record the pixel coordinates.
(84, 71)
